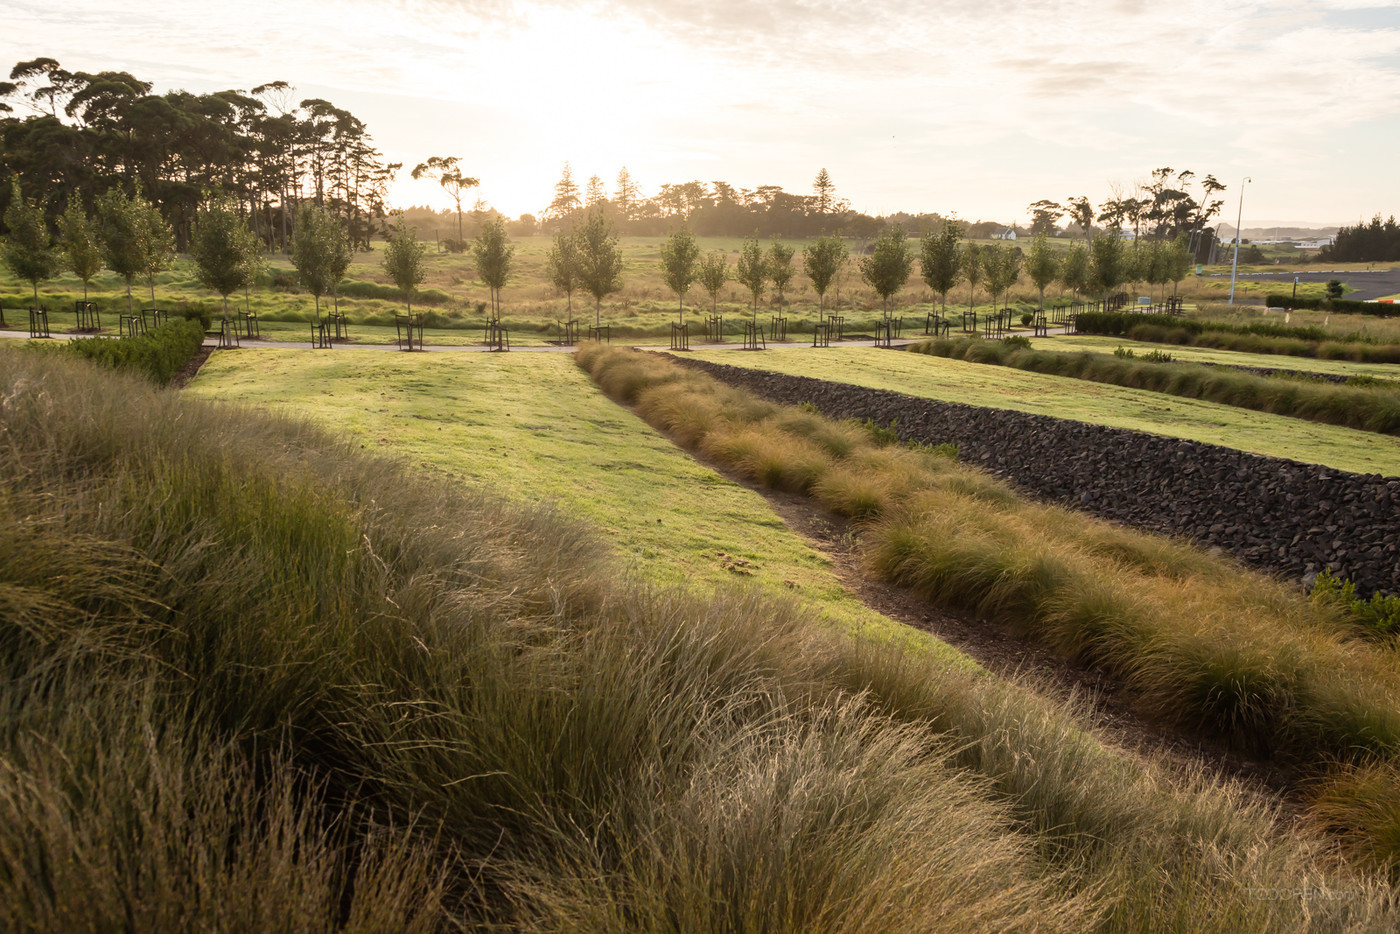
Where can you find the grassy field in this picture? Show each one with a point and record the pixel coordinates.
(1092, 344)
(532, 307)
(256, 678)
(532, 427)
(1060, 397)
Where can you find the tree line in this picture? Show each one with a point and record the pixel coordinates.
(83, 135)
(1375, 242)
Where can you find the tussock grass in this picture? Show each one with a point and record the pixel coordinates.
(314, 691)
(1367, 408)
(1201, 642)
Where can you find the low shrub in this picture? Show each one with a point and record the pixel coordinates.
(1380, 615)
(157, 355)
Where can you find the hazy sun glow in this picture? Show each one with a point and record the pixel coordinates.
(942, 106)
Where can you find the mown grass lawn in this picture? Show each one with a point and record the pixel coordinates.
(998, 387)
(534, 427)
(1076, 342)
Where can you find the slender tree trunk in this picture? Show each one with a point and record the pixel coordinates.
(130, 308)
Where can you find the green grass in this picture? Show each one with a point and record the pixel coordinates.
(532, 427)
(1061, 397)
(255, 677)
(1073, 343)
(1366, 408)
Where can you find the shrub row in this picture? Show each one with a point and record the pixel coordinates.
(158, 355)
(390, 293)
(1365, 408)
(242, 692)
(1349, 306)
(1260, 338)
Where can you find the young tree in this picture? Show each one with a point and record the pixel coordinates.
(679, 255)
(28, 250)
(1074, 269)
(821, 261)
(566, 200)
(1106, 264)
(450, 177)
(1042, 265)
(125, 222)
(779, 267)
(972, 270)
(80, 243)
(940, 261)
(1002, 264)
(562, 267)
(714, 273)
(157, 243)
(493, 254)
(1178, 262)
(318, 247)
(599, 260)
(403, 259)
(887, 267)
(752, 271)
(227, 254)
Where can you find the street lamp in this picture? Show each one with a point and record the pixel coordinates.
(1234, 269)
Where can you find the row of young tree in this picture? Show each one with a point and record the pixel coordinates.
(1096, 267)
(128, 235)
(71, 137)
(1376, 242)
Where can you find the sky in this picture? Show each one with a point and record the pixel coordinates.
(968, 107)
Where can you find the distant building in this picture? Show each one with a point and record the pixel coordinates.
(1004, 233)
(1126, 234)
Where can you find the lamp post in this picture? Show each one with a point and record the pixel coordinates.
(1234, 269)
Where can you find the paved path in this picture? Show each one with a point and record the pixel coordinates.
(1368, 283)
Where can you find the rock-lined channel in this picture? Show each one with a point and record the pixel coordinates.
(1278, 515)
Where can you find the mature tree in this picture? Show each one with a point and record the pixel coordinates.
(1045, 214)
(972, 270)
(1074, 269)
(1042, 264)
(29, 249)
(562, 267)
(566, 200)
(821, 261)
(135, 241)
(597, 192)
(450, 177)
(1002, 263)
(493, 252)
(227, 254)
(627, 196)
(940, 260)
(825, 193)
(1106, 264)
(887, 267)
(779, 267)
(81, 243)
(679, 255)
(752, 270)
(599, 260)
(714, 273)
(403, 259)
(320, 251)
(1082, 213)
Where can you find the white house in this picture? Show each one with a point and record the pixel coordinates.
(1004, 233)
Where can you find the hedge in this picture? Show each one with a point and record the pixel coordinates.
(158, 354)
(1350, 306)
